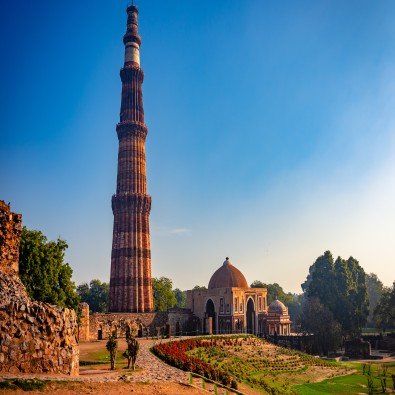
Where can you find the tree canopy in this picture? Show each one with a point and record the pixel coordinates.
(42, 269)
(257, 284)
(384, 313)
(164, 297)
(95, 294)
(181, 298)
(317, 319)
(292, 301)
(340, 286)
(375, 289)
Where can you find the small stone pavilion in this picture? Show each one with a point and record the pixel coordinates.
(278, 321)
(229, 305)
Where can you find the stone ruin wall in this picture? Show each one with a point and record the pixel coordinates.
(83, 326)
(35, 337)
(10, 230)
(181, 321)
(101, 325)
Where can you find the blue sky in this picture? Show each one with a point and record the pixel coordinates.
(271, 131)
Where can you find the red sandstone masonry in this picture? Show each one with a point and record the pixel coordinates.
(130, 279)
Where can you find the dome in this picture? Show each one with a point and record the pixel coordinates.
(278, 307)
(227, 276)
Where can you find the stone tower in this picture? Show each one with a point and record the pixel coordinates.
(130, 282)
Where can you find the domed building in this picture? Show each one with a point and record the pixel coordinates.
(278, 321)
(227, 276)
(229, 305)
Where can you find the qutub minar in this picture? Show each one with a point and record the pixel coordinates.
(228, 305)
(130, 282)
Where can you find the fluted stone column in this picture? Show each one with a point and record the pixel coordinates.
(130, 282)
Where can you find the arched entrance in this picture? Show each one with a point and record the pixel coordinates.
(178, 329)
(210, 317)
(140, 331)
(250, 316)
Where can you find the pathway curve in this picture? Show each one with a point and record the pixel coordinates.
(150, 368)
(153, 369)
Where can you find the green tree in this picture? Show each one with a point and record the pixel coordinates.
(352, 303)
(257, 284)
(42, 269)
(273, 291)
(384, 313)
(340, 286)
(112, 346)
(199, 287)
(95, 294)
(320, 280)
(375, 289)
(181, 298)
(317, 319)
(292, 301)
(164, 297)
(131, 352)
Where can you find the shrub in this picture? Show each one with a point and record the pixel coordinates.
(111, 347)
(175, 354)
(25, 385)
(132, 350)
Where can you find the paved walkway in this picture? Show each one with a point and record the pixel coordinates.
(150, 368)
(153, 369)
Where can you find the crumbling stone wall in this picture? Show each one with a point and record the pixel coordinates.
(181, 322)
(35, 337)
(101, 325)
(172, 322)
(83, 327)
(10, 230)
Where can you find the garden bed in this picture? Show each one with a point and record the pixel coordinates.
(247, 359)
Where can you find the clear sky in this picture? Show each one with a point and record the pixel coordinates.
(271, 131)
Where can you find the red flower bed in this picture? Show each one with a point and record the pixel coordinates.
(174, 353)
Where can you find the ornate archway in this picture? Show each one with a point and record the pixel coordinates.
(210, 317)
(250, 313)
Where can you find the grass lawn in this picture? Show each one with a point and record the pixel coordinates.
(101, 357)
(95, 356)
(356, 383)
